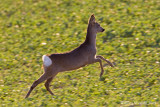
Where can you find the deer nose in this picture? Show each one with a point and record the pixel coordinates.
(103, 30)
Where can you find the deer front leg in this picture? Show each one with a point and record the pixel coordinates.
(100, 62)
(101, 57)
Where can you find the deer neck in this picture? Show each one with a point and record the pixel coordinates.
(91, 36)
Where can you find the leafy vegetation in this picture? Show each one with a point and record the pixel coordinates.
(32, 28)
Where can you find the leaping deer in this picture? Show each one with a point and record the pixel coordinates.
(83, 55)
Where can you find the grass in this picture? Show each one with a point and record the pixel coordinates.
(32, 28)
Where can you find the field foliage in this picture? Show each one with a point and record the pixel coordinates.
(32, 28)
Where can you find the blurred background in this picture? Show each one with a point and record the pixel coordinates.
(32, 28)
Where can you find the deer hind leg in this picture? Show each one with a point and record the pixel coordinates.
(41, 79)
(47, 84)
(101, 57)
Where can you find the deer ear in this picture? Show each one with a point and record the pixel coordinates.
(92, 19)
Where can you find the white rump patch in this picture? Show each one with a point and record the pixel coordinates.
(46, 60)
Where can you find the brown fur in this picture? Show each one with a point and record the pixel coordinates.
(79, 57)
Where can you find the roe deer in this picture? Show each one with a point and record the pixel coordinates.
(79, 57)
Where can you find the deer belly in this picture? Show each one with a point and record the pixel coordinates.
(72, 65)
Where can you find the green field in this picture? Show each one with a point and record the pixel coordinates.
(32, 28)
